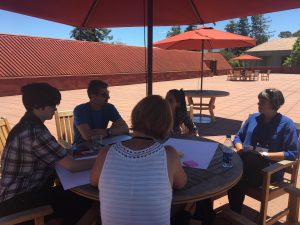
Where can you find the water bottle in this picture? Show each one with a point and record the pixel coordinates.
(228, 152)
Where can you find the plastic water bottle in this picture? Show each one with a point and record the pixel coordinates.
(228, 152)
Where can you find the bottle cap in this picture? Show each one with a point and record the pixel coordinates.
(228, 135)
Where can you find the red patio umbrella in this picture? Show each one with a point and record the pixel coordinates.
(205, 38)
(117, 13)
(246, 57)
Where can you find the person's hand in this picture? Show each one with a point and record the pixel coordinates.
(261, 149)
(246, 148)
(102, 132)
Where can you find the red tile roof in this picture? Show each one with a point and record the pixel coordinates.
(25, 56)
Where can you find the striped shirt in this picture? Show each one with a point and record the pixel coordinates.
(28, 158)
(134, 187)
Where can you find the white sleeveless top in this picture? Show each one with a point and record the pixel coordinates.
(134, 187)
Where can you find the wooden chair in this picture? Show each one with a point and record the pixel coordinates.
(230, 75)
(248, 75)
(236, 75)
(256, 75)
(269, 191)
(265, 76)
(36, 214)
(4, 130)
(294, 201)
(64, 125)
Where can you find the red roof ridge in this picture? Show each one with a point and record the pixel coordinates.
(61, 39)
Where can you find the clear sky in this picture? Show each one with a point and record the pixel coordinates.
(12, 23)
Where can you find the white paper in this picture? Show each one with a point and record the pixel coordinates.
(106, 141)
(71, 180)
(199, 151)
(115, 139)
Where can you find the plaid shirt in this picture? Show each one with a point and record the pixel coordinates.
(28, 159)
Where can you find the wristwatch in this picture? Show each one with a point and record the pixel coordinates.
(265, 155)
(108, 131)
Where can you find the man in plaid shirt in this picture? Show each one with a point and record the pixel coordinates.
(29, 157)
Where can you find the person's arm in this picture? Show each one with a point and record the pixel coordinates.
(119, 127)
(177, 175)
(75, 165)
(47, 150)
(98, 165)
(290, 144)
(86, 132)
(239, 138)
(190, 125)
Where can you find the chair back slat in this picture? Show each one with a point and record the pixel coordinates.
(4, 130)
(64, 125)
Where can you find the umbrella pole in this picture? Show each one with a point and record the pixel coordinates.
(201, 79)
(149, 47)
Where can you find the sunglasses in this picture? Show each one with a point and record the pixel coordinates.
(104, 95)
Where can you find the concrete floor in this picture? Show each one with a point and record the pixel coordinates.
(230, 111)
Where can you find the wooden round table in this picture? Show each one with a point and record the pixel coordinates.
(201, 184)
(210, 106)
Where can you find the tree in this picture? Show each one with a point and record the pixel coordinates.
(296, 34)
(190, 28)
(175, 30)
(95, 34)
(232, 27)
(228, 55)
(260, 28)
(243, 27)
(294, 58)
(285, 34)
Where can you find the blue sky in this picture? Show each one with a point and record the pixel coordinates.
(12, 23)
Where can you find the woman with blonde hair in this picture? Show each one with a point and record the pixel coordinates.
(135, 178)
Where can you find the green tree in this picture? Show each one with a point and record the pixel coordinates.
(294, 58)
(228, 55)
(243, 27)
(296, 34)
(285, 34)
(175, 30)
(190, 28)
(95, 34)
(232, 27)
(260, 28)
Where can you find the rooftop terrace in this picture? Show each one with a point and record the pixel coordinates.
(230, 111)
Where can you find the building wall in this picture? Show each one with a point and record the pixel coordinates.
(270, 58)
(11, 86)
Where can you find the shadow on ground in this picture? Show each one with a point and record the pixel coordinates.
(220, 127)
(247, 212)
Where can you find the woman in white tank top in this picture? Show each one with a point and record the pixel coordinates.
(135, 178)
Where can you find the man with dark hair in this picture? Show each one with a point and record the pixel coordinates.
(29, 157)
(92, 118)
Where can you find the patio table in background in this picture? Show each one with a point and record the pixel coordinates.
(210, 106)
